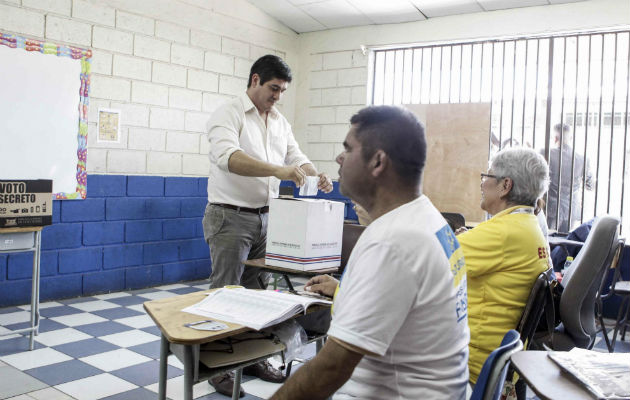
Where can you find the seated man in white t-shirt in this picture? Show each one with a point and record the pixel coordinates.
(399, 328)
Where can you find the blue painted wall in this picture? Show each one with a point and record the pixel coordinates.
(131, 232)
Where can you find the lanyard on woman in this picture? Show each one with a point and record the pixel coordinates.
(523, 210)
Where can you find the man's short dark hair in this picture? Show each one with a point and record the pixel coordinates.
(562, 128)
(398, 133)
(270, 67)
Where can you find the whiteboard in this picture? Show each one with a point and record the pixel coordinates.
(43, 128)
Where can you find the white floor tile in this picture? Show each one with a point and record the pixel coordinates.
(49, 393)
(78, 319)
(171, 287)
(175, 388)
(61, 336)
(115, 359)
(157, 295)
(21, 397)
(202, 287)
(14, 317)
(138, 307)
(95, 305)
(260, 388)
(115, 295)
(35, 358)
(139, 321)
(129, 338)
(96, 387)
(174, 362)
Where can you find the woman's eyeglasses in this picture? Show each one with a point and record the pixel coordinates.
(485, 176)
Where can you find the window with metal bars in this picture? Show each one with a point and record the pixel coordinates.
(578, 83)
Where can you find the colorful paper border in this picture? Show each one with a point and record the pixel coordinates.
(85, 56)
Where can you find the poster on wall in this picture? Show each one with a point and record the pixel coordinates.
(108, 125)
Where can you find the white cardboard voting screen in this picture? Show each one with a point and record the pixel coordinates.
(39, 117)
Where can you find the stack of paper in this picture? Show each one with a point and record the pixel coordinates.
(255, 309)
(607, 375)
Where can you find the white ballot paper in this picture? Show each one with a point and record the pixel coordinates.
(310, 186)
(255, 309)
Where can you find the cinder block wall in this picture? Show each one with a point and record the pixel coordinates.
(165, 64)
(131, 232)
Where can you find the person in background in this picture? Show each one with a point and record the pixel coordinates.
(564, 192)
(252, 148)
(506, 253)
(399, 328)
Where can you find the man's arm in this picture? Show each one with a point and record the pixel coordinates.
(242, 164)
(322, 376)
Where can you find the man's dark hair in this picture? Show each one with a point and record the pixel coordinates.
(270, 67)
(398, 133)
(562, 128)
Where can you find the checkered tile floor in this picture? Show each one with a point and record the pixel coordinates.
(106, 347)
(100, 347)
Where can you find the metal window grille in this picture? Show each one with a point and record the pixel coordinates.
(533, 84)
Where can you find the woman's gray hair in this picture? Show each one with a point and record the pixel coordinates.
(527, 169)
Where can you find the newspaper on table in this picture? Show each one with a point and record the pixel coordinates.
(256, 309)
(606, 375)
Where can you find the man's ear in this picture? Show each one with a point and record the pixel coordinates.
(378, 163)
(255, 80)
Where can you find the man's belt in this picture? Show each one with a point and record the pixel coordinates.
(261, 210)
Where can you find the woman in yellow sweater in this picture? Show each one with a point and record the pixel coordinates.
(506, 253)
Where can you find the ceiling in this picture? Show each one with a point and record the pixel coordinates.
(317, 15)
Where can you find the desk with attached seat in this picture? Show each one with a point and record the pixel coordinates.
(286, 272)
(546, 378)
(186, 342)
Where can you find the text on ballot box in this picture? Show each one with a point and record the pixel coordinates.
(304, 234)
(25, 202)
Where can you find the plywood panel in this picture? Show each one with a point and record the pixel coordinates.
(457, 140)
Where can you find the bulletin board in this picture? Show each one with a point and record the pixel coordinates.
(457, 141)
(44, 90)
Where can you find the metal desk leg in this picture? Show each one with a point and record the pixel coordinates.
(236, 389)
(189, 370)
(163, 365)
(286, 279)
(319, 344)
(35, 291)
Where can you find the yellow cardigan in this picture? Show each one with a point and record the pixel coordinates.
(503, 255)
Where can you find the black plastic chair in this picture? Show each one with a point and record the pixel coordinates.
(455, 220)
(538, 301)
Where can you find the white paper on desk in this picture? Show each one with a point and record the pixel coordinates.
(604, 374)
(255, 309)
(310, 186)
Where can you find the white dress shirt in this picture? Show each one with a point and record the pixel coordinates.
(237, 125)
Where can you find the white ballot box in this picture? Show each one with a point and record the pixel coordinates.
(304, 234)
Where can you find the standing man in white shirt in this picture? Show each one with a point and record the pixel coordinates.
(252, 149)
(399, 327)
